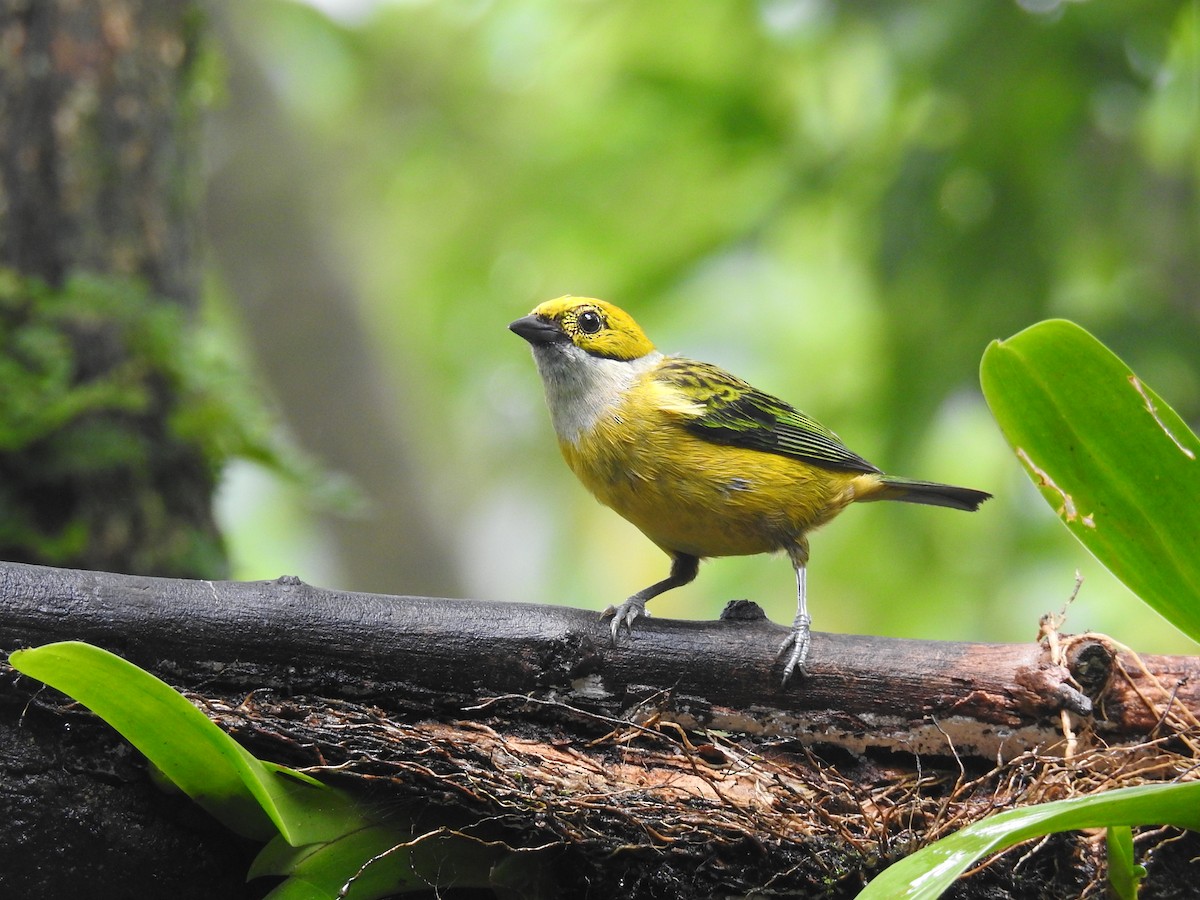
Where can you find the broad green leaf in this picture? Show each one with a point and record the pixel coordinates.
(319, 836)
(251, 797)
(1121, 469)
(1124, 874)
(928, 872)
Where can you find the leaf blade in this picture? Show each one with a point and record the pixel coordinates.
(1118, 465)
(924, 875)
(251, 797)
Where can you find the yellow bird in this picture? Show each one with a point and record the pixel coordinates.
(702, 462)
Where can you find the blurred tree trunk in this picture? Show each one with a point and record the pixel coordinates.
(266, 225)
(98, 176)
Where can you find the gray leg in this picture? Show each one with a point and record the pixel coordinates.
(683, 570)
(795, 647)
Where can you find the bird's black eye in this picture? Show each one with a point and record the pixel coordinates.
(589, 321)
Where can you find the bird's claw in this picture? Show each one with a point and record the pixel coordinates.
(624, 616)
(795, 646)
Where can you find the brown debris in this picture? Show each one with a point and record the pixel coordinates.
(605, 787)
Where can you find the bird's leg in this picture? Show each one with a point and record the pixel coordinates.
(795, 647)
(683, 570)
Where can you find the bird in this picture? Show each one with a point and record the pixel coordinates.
(703, 463)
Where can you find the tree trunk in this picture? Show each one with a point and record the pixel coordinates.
(671, 764)
(98, 180)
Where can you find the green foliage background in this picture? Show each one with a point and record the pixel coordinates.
(842, 203)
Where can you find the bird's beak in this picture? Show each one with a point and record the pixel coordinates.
(537, 330)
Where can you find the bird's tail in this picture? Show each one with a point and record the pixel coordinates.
(930, 493)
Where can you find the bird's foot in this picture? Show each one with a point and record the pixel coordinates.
(625, 615)
(795, 647)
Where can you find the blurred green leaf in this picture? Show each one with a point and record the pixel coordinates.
(841, 203)
(321, 870)
(1124, 875)
(1110, 456)
(376, 862)
(927, 873)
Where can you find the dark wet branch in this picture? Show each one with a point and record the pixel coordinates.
(861, 691)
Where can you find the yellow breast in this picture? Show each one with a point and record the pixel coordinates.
(690, 495)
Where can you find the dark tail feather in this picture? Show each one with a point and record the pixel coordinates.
(930, 493)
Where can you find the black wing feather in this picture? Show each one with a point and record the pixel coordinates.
(740, 415)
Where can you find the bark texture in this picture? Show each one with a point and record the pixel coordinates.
(98, 181)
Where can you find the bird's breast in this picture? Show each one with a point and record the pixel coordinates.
(693, 496)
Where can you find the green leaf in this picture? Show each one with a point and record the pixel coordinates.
(1110, 456)
(1124, 875)
(377, 861)
(321, 870)
(928, 872)
(319, 837)
(251, 797)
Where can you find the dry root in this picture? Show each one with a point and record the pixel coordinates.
(714, 811)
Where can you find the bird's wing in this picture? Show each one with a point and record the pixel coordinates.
(726, 410)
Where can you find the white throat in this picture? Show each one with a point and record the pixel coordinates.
(581, 388)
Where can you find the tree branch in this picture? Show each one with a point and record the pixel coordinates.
(860, 692)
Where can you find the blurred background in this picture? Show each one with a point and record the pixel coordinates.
(842, 203)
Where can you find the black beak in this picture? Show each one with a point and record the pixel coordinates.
(537, 330)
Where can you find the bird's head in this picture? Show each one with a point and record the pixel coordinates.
(597, 328)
